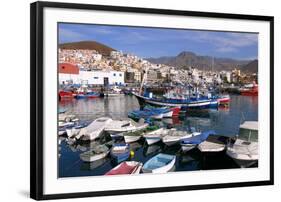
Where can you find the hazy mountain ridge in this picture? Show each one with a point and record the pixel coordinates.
(187, 58)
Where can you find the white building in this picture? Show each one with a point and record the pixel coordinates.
(93, 77)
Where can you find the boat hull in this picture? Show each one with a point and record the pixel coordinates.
(127, 167)
(94, 157)
(161, 169)
(131, 138)
(192, 104)
(187, 147)
(152, 140)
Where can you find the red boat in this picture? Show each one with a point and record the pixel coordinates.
(65, 94)
(176, 111)
(127, 167)
(253, 91)
(223, 99)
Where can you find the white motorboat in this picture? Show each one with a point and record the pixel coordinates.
(126, 125)
(161, 163)
(245, 150)
(94, 154)
(155, 136)
(94, 129)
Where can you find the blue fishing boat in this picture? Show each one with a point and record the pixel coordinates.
(161, 163)
(120, 152)
(189, 103)
(191, 142)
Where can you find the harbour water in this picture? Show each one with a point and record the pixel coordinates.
(225, 121)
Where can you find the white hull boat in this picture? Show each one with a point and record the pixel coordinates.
(161, 163)
(212, 144)
(97, 153)
(187, 147)
(189, 143)
(155, 136)
(174, 137)
(245, 150)
(131, 138)
(94, 129)
(119, 126)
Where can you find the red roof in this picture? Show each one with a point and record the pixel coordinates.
(68, 68)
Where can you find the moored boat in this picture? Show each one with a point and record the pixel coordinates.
(94, 129)
(161, 163)
(251, 90)
(119, 126)
(120, 152)
(126, 167)
(213, 144)
(96, 153)
(245, 150)
(64, 94)
(155, 136)
(174, 136)
(187, 103)
(190, 143)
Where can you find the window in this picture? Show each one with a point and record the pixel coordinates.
(114, 74)
(120, 74)
(96, 77)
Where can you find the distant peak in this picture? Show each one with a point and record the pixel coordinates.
(186, 53)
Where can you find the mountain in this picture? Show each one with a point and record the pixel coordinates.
(89, 45)
(251, 67)
(187, 58)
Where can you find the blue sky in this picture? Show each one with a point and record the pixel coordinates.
(157, 42)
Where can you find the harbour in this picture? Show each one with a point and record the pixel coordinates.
(225, 121)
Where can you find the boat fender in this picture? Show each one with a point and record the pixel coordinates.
(132, 153)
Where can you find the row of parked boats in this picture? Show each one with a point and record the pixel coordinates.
(244, 149)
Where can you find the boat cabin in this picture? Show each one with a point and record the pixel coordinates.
(249, 131)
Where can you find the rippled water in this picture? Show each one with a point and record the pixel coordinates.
(225, 121)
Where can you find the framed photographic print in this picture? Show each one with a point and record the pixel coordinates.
(135, 100)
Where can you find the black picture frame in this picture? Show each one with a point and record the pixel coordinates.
(36, 98)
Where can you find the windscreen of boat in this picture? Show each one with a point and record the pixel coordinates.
(248, 135)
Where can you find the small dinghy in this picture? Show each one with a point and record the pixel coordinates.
(120, 152)
(161, 163)
(94, 129)
(155, 136)
(189, 143)
(127, 167)
(94, 154)
(213, 143)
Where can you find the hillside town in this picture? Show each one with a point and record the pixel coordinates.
(80, 66)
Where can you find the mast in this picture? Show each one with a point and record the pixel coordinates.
(143, 79)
